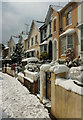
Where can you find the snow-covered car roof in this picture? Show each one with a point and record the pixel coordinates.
(31, 59)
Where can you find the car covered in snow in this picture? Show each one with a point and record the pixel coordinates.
(32, 75)
(30, 60)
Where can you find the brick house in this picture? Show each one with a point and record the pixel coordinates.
(67, 30)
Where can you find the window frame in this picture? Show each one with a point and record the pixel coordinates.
(66, 36)
(81, 39)
(32, 41)
(68, 18)
(36, 39)
(54, 25)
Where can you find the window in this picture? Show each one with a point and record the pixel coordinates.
(68, 19)
(70, 41)
(13, 48)
(36, 39)
(45, 30)
(63, 45)
(41, 48)
(67, 42)
(82, 39)
(28, 44)
(32, 41)
(50, 28)
(54, 24)
(10, 49)
(32, 53)
(45, 48)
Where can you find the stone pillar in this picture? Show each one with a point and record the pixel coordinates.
(41, 86)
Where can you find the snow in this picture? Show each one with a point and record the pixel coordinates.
(24, 37)
(18, 102)
(54, 63)
(31, 75)
(30, 50)
(59, 69)
(69, 31)
(45, 67)
(6, 48)
(20, 74)
(76, 73)
(69, 85)
(31, 59)
(44, 43)
(56, 8)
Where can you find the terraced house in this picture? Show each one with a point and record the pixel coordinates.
(67, 30)
(46, 32)
(33, 41)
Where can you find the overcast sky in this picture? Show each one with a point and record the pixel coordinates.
(16, 14)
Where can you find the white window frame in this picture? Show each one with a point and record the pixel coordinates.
(67, 19)
(67, 42)
(81, 39)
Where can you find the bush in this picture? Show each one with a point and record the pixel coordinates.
(44, 56)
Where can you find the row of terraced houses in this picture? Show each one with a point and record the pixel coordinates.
(62, 29)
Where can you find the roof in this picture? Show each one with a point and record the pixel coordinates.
(15, 39)
(6, 48)
(30, 50)
(56, 7)
(24, 37)
(38, 24)
(44, 43)
(69, 31)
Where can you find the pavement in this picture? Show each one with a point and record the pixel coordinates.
(17, 102)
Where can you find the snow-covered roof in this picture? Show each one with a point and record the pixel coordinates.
(44, 43)
(24, 37)
(56, 8)
(69, 85)
(30, 50)
(15, 39)
(30, 59)
(6, 48)
(69, 31)
(80, 24)
(38, 24)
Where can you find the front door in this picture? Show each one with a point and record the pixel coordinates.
(50, 50)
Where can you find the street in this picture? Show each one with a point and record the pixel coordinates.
(18, 102)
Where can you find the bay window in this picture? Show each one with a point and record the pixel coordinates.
(67, 42)
(81, 38)
(63, 45)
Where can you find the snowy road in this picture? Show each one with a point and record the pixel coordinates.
(18, 102)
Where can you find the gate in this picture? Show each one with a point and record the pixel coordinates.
(48, 85)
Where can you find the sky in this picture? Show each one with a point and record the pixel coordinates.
(14, 15)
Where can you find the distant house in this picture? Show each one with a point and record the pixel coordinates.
(33, 41)
(24, 38)
(12, 45)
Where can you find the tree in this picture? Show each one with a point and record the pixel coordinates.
(18, 53)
